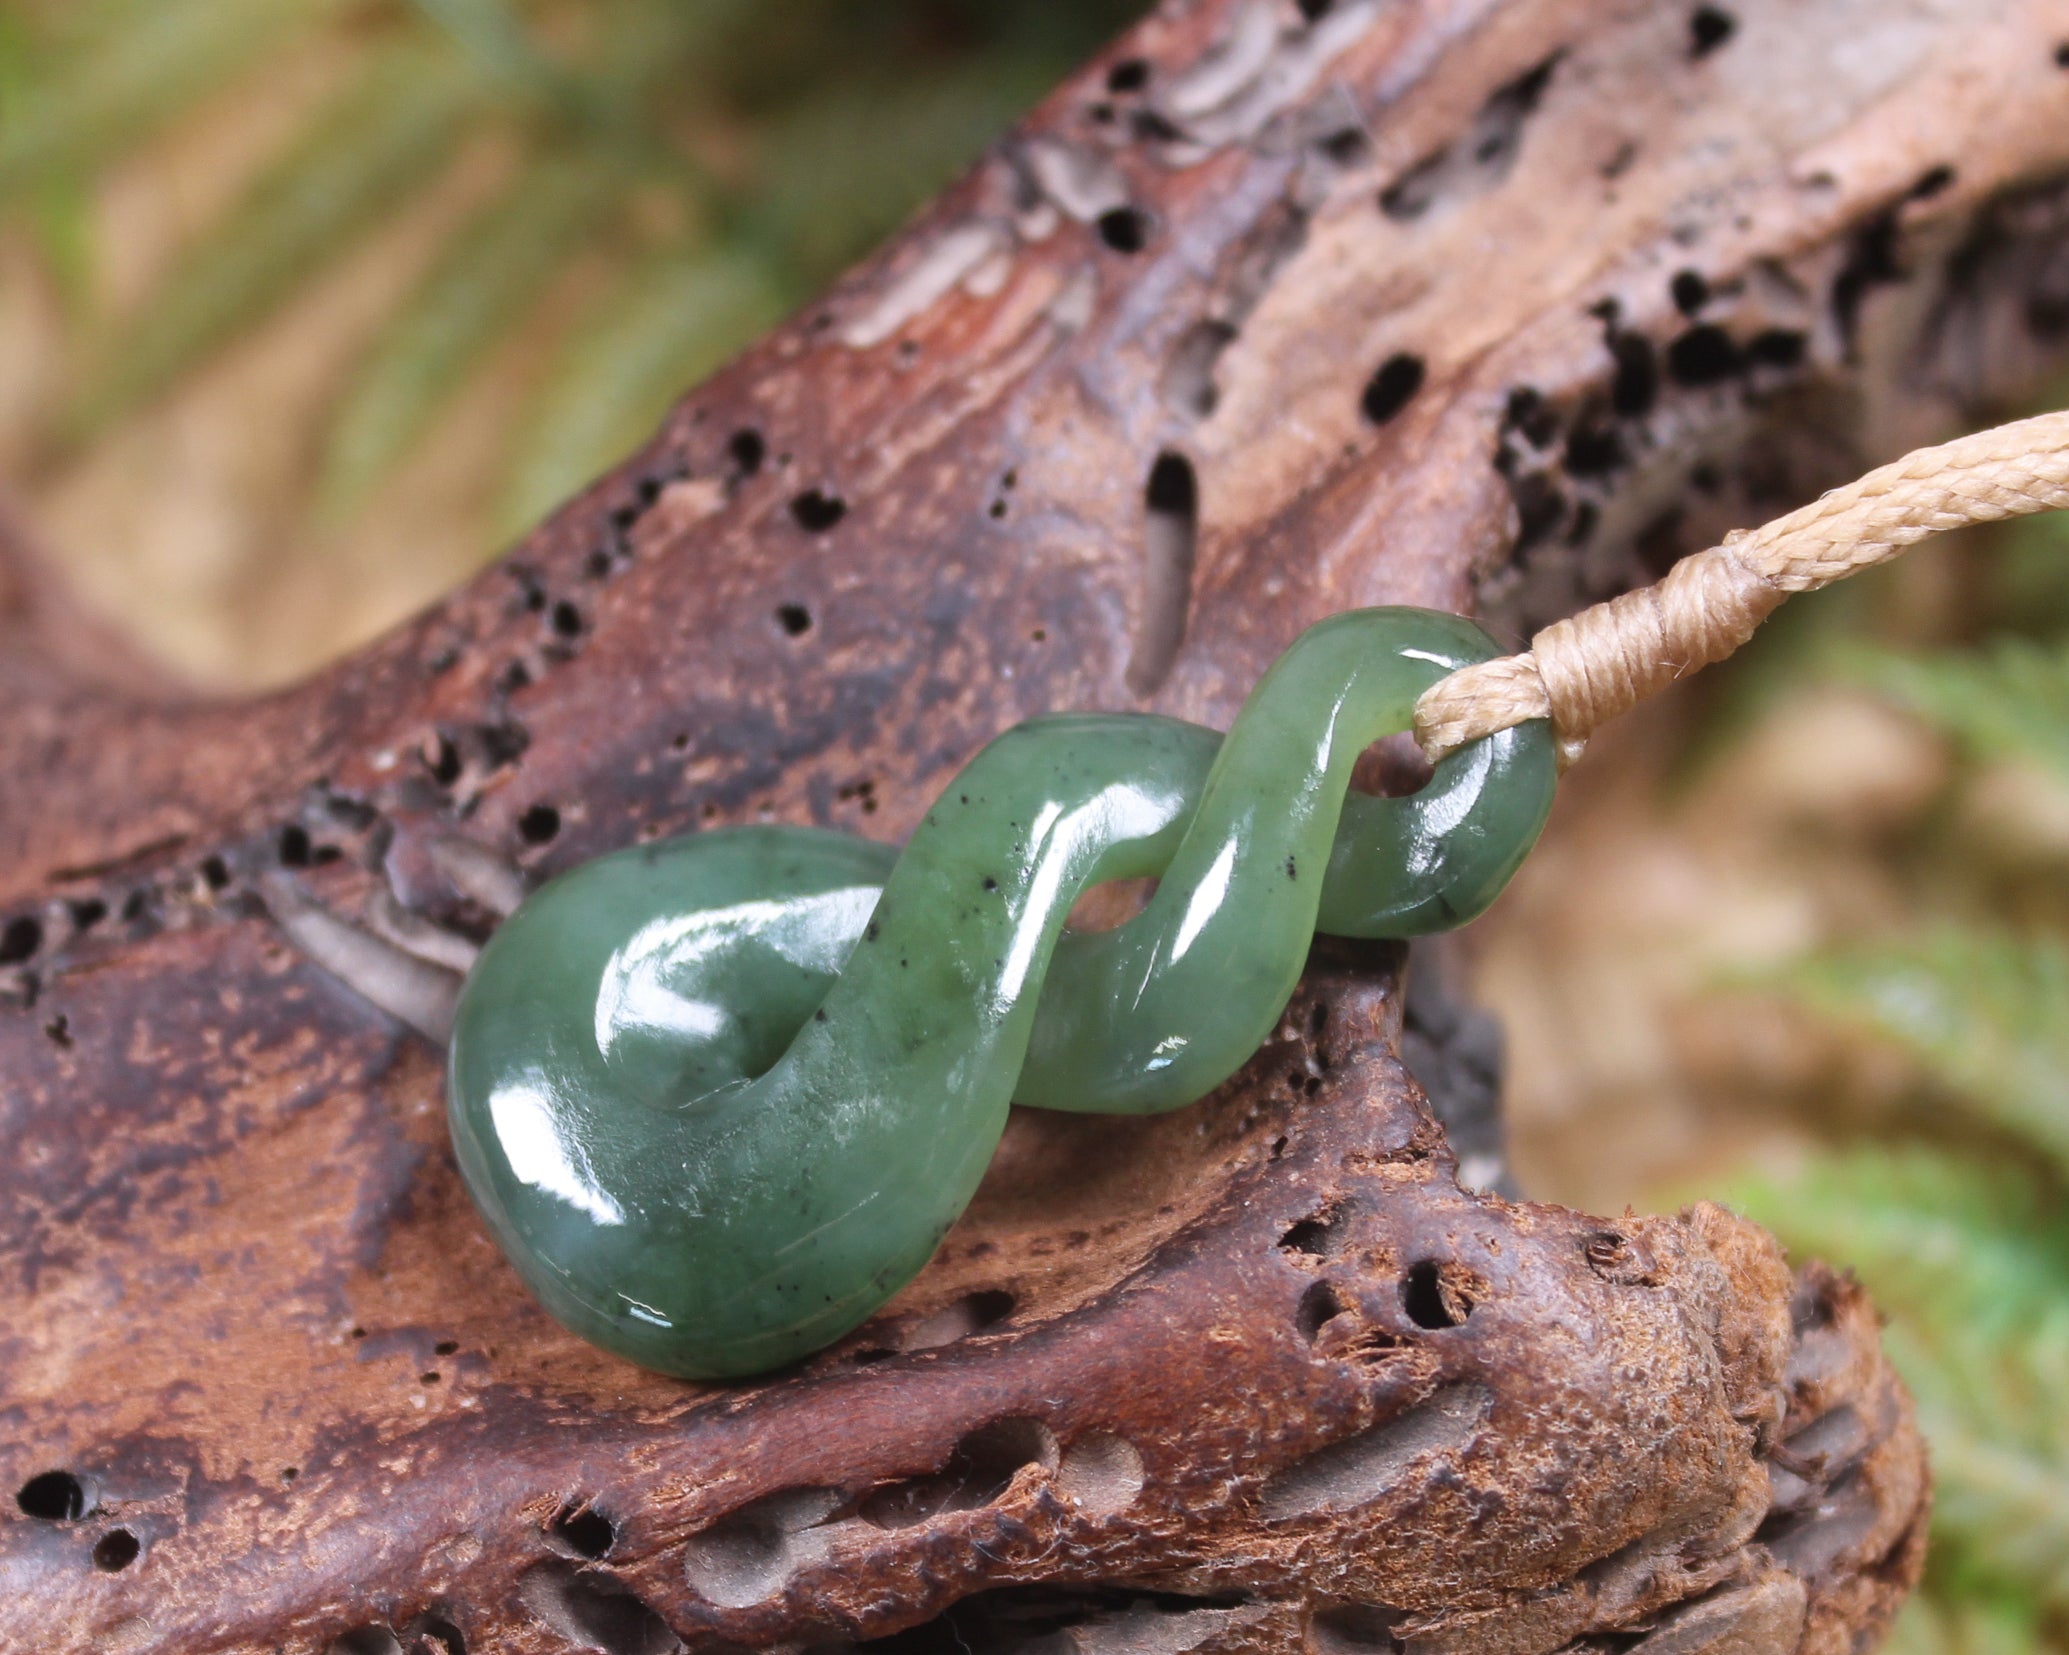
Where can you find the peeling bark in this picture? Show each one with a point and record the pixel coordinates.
(1272, 311)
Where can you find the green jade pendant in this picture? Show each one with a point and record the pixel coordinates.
(720, 1097)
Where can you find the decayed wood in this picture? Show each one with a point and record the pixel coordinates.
(1272, 311)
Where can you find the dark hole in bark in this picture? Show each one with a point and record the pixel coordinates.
(1309, 1236)
(115, 1551)
(21, 938)
(567, 620)
(1776, 348)
(1810, 1309)
(87, 912)
(794, 618)
(972, 1314)
(539, 824)
(1540, 509)
(2062, 55)
(59, 1032)
(446, 1347)
(54, 1496)
(1124, 229)
(1708, 28)
(1870, 262)
(1606, 1250)
(1594, 448)
(1433, 1298)
(1704, 355)
(1170, 532)
(583, 1531)
(1314, 10)
(1498, 131)
(1314, 1237)
(366, 1640)
(1411, 195)
(502, 744)
(1624, 1260)
(977, 1473)
(1347, 146)
(747, 450)
(1319, 1304)
(1151, 127)
(817, 511)
(1387, 392)
(1690, 291)
(294, 846)
(1131, 74)
(435, 1629)
(1188, 380)
(1353, 1628)
(1527, 411)
(1637, 381)
(989, 1306)
(442, 759)
(1932, 183)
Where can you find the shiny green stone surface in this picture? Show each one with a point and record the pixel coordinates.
(720, 1097)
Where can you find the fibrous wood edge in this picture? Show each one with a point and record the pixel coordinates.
(1465, 304)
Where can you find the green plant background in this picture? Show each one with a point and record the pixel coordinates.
(1948, 1199)
(648, 183)
(621, 193)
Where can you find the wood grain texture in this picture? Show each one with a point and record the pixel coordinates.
(1495, 306)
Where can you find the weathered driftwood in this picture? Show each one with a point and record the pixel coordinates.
(1274, 310)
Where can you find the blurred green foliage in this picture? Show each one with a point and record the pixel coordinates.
(1955, 1216)
(716, 161)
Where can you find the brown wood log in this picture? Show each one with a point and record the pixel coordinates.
(1274, 310)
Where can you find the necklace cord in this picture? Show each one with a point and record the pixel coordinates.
(1583, 671)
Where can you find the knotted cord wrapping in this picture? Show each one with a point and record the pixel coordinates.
(1582, 672)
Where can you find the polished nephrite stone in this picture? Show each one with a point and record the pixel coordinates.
(720, 1097)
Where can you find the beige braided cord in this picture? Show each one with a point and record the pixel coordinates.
(1582, 672)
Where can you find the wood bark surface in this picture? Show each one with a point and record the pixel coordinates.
(1273, 310)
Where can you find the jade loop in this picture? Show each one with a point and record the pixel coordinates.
(720, 1097)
